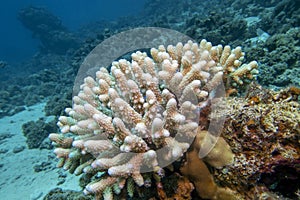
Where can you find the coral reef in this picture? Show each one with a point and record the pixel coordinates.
(216, 28)
(128, 126)
(275, 54)
(58, 193)
(36, 132)
(226, 22)
(56, 104)
(282, 17)
(279, 56)
(48, 28)
(263, 132)
(41, 79)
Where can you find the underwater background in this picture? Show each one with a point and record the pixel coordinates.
(44, 43)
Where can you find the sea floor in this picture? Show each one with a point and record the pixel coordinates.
(28, 173)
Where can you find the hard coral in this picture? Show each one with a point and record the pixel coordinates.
(196, 170)
(142, 116)
(264, 136)
(220, 155)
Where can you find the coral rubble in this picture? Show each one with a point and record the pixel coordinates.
(128, 126)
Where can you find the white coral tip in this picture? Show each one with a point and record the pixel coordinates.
(179, 118)
(166, 133)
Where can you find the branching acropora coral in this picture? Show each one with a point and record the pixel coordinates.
(142, 115)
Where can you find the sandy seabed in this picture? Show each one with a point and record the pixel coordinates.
(18, 177)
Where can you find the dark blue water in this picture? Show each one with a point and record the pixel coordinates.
(16, 41)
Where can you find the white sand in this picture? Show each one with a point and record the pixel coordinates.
(18, 179)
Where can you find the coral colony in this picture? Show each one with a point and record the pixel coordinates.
(121, 119)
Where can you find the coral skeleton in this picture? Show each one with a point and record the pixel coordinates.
(136, 119)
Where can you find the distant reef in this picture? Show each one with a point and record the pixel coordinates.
(48, 28)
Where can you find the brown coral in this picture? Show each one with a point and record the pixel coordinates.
(196, 170)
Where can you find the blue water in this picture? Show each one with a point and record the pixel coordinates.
(16, 41)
